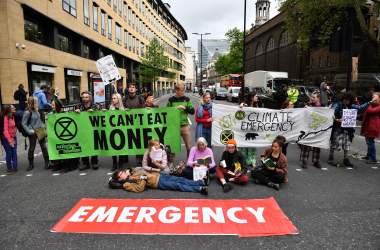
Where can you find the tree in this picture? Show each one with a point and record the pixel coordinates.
(153, 63)
(233, 61)
(314, 21)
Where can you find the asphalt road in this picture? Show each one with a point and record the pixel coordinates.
(335, 208)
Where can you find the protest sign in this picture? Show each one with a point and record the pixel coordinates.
(257, 127)
(349, 118)
(246, 218)
(99, 92)
(107, 69)
(111, 133)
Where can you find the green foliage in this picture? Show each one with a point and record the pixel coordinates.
(153, 62)
(314, 21)
(233, 61)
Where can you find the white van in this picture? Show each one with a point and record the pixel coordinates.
(269, 80)
(233, 94)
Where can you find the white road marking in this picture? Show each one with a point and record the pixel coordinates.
(298, 169)
(3, 175)
(324, 169)
(82, 174)
(376, 168)
(109, 173)
(56, 174)
(349, 168)
(38, 154)
(2, 162)
(29, 175)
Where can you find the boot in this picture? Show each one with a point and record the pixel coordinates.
(114, 166)
(274, 185)
(227, 188)
(31, 165)
(304, 164)
(347, 163)
(85, 166)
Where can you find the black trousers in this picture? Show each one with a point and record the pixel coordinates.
(86, 160)
(264, 176)
(32, 146)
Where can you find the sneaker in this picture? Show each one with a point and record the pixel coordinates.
(206, 179)
(84, 167)
(227, 188)
(347, 163)
(274, 185)
(204, 190)
(304, 164)
(317, 165)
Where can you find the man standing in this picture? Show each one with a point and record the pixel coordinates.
(87, 105)
(43, 104)
(293, 94)
(232, 167)
(20, 96)
(324, 89)
(134, 101)
(183, 103)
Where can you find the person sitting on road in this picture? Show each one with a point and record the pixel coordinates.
(232, 167)
(198, 153)
(155, 159)
(136, 180)
(274, 166)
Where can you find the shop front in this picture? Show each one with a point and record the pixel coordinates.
(39, 75)
(72, 85)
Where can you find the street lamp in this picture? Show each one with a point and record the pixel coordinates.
(244, 54)
(201, 34)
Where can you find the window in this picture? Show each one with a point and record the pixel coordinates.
(120, 7)
(133, 19)
(109, 21)
(86, 14)
(35, 32)
(284, 39)
(129, 16)
(109, 2)
(137, 47)
(95, 16)
(115, 5)
(64, 43)
(125, 39)
(259, 49)
(70, 6)
(270, 44)
(134, 45)
(142, 50)
(125, 11)
(118, 33)
(103, 22)
(130, 41)
(86, 50)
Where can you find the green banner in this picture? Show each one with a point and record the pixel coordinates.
(111, 133)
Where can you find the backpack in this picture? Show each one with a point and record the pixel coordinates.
(18, 121)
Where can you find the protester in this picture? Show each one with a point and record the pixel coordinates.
(250, 152)
(183, 103)
(198, 153)
(281, 95)
(9, 139)
(35, 128)
(149, 101)
(293, 94)
(371, 127)
(273, 169)
(325, 93)
(88, 106)
(136, 180)
(58, 105)
(305, 150)
(203, 117)
(20, 96)
(232, 167)
(287, 105)
(134, 101)
(43, 105)
(342, 137)
(117, 104)
(155, 159)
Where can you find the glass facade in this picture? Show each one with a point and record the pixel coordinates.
(210, 46)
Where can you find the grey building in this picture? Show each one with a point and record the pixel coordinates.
(210, 46)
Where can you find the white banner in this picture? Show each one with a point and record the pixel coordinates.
(257, 127)
(107, 69)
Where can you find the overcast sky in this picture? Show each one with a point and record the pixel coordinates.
(214, 16)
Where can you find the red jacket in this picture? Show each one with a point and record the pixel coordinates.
(203, 120)
(371, 122)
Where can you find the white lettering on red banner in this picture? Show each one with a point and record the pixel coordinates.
(215, 217)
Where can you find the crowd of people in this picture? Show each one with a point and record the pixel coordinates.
(157, 168)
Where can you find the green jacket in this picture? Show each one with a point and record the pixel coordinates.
(293, 94)
(185, 101)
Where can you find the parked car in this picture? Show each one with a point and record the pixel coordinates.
(195, 90)
(233, 94)
(221, 94)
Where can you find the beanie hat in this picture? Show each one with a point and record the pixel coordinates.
(231, 142)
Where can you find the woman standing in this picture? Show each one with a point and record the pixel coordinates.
(9, 139)
(35, 128)
(371, 127)
(203, 117)
(250, 152)
(305, 150)
(117, 104)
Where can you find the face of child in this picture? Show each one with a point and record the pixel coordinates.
(156, 146)
(123, 175)
(275, 147)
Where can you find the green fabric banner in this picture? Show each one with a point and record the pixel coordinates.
(111, 133)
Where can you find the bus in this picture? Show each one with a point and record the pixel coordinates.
(231, 80)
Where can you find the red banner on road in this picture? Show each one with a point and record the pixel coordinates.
(246, 218)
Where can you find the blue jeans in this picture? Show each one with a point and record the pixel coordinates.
(371, 152)
(206, 133)
(169, 182)
(10, 154)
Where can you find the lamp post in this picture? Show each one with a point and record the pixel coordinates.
(244, 54)
(201, 34)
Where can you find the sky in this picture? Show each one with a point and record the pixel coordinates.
(214, 16)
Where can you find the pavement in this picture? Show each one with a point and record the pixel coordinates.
(333, 208)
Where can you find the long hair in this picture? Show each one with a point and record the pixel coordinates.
(151, 143)
(7, 110)
(120, 101)
(249, 101)
(32, 104)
